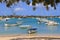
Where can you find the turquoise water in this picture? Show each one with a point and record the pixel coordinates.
(42, 28)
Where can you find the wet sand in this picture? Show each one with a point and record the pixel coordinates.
(9, 37)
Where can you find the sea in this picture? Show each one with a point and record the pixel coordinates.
(41, 27)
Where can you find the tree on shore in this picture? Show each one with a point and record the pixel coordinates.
(52, 3)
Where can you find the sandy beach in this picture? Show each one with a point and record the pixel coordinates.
(28, 36)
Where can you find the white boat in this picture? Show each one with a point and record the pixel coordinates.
(19, 18)
(6, 19)
(31, 32)
(6, 25)
(25, 26)
(18, 23)
(42, 19)
(52, 23)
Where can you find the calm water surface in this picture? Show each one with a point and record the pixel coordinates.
(42, 28)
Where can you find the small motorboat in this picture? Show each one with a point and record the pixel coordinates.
(19, 18)
(5, 19)
(7, 25)
(25, 26)
(51, 23)
(32, 30)
(16, 24)
(42, 20)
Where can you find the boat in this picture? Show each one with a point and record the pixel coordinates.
(7, 25)
(5, 19)
(32, 30)
(25, 26)
(42, 19)
(19, 18)
(52, 23)
(16, 24)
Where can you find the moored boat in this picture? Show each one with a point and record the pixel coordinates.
(16, 24)
(5, 19)
(32, 30)
(25, 26)
(51, 23)
(7, 25)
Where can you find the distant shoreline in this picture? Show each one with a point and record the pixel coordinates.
(28, 16)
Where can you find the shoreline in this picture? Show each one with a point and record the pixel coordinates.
(8, 17)
(30, 36)
(27, 16)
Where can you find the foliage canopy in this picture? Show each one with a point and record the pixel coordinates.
(53, 3)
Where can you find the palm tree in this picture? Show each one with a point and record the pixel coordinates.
(53, 3)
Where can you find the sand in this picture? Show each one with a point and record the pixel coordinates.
(9, 37)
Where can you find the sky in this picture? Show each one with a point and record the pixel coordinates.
(23, 9)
